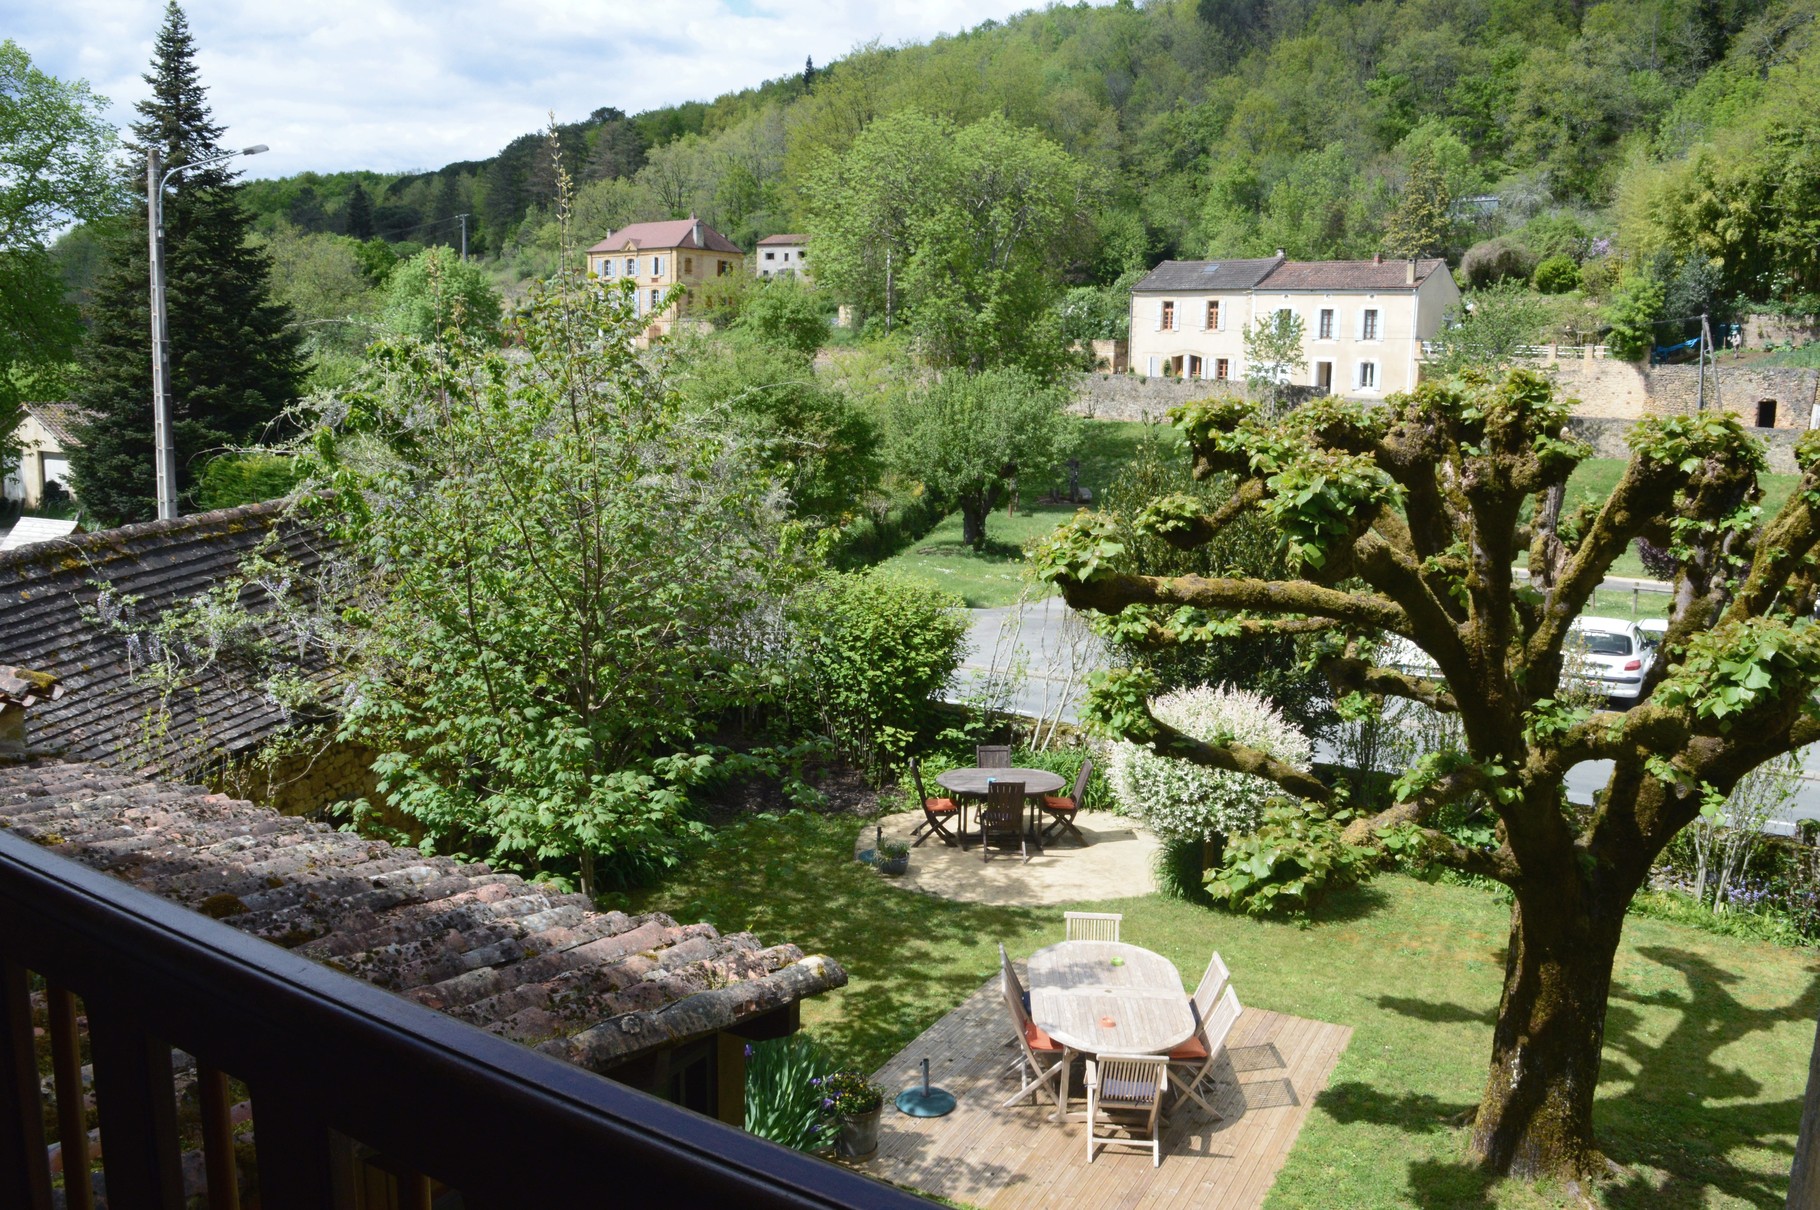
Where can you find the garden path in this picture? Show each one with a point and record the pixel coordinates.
(1120, 862)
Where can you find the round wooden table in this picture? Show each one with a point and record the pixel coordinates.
(971, 783)
(1108, 997)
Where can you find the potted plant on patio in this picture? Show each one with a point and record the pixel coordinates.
(893, 857)
(855, 1102)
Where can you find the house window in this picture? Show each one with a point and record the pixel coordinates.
(1368, 375)
(603, 267)
(655, 295)
(688, 264)
(657, 266)
(1323, 377)
(631, 266)
(786, 256)
(722, 270)
(1222, 368)
(1213, 315)
(1324, 328)
(1167, 323)
(1194, 366)
(770, 256)
(1368, 324)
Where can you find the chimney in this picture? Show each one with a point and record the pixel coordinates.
(1377, 258)
(1409, 272)
(20, 690)
(697, 223)
(1279, 254)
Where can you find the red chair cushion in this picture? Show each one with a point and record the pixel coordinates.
(1052, 803)
(1193, 1048)
(1039, 1040)
(940, 806)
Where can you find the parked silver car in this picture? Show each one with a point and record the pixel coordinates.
(1611, 655)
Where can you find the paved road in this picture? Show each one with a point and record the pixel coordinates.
(1052, 645)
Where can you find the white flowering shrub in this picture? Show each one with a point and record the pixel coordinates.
(1182, 801)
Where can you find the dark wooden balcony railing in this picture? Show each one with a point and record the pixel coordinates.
(334, 1068)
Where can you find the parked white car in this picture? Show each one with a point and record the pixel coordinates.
(1608, 654)
(1613, 655)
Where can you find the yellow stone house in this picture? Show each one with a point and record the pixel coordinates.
(658, 257)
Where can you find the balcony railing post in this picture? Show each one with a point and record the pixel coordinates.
(25, 1174)
(72, 1122)
(136, 1097)
(296, 1158)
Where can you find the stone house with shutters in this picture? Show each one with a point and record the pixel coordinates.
(1364, 322)
(657, 258)
(782, 256)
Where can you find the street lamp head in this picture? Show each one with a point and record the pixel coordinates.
(255, 149)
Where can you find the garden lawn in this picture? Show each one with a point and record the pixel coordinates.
(1000, 573)
(1706, 1048)
(1594, 479)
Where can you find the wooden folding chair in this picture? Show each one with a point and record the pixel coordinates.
(1002, 819)
(992, 756)
(1192, 1061)
(1092, 926)
(938, 813)
(1126, 1091)
(1041, 1057)
(1061, 811)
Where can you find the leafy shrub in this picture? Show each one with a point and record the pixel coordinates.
(1557, 275)
(869, 652)
(784, 1097)
(1488, 263)
(235, 479)
(1290, 862)
(1181, 871)
(1632, 313)
(1179, 800)
(784, 314)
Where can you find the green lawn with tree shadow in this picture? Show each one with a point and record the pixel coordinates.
(997, 575)
(1707, 1039)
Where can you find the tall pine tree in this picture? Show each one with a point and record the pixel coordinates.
(234, 358)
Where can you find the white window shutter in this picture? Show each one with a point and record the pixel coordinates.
(1358, 325)
(1156, 366)
(1159, 315)
(1201, 320)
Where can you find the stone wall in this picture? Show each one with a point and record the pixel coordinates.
(1607, 436)
(1626, 390)
(301, 782)
(1129, 397)
(1675, 391)
(1760, 330)
(1604, 387)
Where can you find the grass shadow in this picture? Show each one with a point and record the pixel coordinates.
(1683, 1112)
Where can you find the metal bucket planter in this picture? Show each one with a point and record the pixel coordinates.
(858, 1137)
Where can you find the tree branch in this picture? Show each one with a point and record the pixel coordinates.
(1109, 593)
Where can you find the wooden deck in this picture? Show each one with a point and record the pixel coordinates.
(985, 1156)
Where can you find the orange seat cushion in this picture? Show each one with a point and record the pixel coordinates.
(1038, 1040)
(1052, 803)
(1193, 1048)
(940, 806)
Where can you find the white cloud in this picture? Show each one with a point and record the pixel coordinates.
(390, 85)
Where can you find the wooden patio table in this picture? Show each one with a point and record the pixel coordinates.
(1107, 997)
(967, 784)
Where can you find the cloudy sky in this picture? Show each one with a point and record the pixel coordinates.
(396, 84)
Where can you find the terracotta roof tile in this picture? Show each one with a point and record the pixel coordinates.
(675, 233)
(1350, 275)
(516, 958)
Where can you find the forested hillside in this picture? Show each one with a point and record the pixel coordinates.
(1234, 127)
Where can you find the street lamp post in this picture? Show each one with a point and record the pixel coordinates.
(164, 447)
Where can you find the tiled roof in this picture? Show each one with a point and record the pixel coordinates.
(783, 239)
(513, 957)
(51, 608)
(1206, 275)
(61, 420)
(1350, 275)
(676, 233)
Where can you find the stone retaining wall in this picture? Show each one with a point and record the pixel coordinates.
(1607, 436)
(1129, 397)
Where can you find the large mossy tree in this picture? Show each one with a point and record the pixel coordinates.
(234, 355)
(1412, 519)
